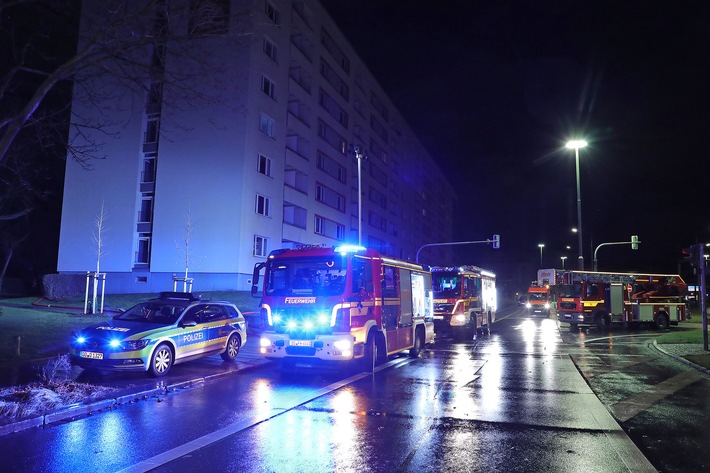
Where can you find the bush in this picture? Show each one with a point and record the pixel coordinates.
(57, 287)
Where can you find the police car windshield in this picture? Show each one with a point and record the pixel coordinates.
(153, 312)
(323, 276)
(446, 285)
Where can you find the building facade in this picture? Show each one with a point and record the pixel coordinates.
(205, 176)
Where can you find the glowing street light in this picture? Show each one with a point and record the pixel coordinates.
(575, 145)
(563, 258)
(541, 246)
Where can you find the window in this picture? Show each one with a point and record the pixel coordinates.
(329, 197)
(335, 50)
(332, 137)
(273, 13)
(295, 215)
(263, 165)
(146, 211)
(331, 167)
(268, 87)
(262, 205)
(334, 79)
(260, 246)
(152, 129)
(143, 253)
(266, 125)
(270, 49)
(329, 228)
(332, 107)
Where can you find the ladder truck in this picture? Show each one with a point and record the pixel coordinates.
(602, 299)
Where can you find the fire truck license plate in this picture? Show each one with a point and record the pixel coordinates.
(299, 343)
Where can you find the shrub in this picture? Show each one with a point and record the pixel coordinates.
(57, 287)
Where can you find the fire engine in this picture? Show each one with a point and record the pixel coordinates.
(344, 304)
(464, 299)
(539, 302)
(602, 299)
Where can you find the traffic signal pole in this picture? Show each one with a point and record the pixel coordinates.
(495, 241)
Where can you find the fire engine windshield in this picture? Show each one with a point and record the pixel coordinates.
(537, 296)
(446, 285)
(323, 276)
(570, 290)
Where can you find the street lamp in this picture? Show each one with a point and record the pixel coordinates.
(541, 246)
(575, 145)
(563, 258)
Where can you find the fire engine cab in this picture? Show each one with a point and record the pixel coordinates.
(336, 305)
(602, 299)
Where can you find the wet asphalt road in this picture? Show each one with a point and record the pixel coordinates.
(513, 400)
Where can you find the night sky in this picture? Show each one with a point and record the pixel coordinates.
(494, 89)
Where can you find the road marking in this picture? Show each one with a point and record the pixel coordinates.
(638, 403)
(200, 442)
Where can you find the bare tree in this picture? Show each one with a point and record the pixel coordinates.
(121, 42)
(185, 249)
(98, 236)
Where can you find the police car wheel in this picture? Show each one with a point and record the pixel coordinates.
(161, 361)
(233, 345)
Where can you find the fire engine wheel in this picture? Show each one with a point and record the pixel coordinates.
(369, 361)
(417, 348)
(662, 321)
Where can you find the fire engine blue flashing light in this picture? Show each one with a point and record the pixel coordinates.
(345, 249)
(277, 318)
(291, 324)
(323, 319)
(308, 325)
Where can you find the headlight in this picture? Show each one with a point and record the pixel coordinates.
(137, 344)
(547, 305)
(528, 305)
(460, 318)
(264, 342)
(342, 345)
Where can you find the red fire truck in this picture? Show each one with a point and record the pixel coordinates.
(464, 299)
(602, 299)
(343, 304)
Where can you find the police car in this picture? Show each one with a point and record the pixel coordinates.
(156, 334)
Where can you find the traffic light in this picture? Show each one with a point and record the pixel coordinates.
(689, 255)
(634, 242)
(496, 241)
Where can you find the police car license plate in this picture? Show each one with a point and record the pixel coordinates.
(299, 343)
(92, 355)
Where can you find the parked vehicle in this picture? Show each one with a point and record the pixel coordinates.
(154, 335)
(339, 305)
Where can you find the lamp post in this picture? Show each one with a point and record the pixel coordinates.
(541, 246)
(575, 145)
(359, 155)
(563, 258)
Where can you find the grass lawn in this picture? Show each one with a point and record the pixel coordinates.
(46, 333)
(690, 331)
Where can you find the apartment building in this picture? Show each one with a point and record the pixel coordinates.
(270, 152)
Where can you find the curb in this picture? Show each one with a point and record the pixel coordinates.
(681, 359)
(82, 409)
